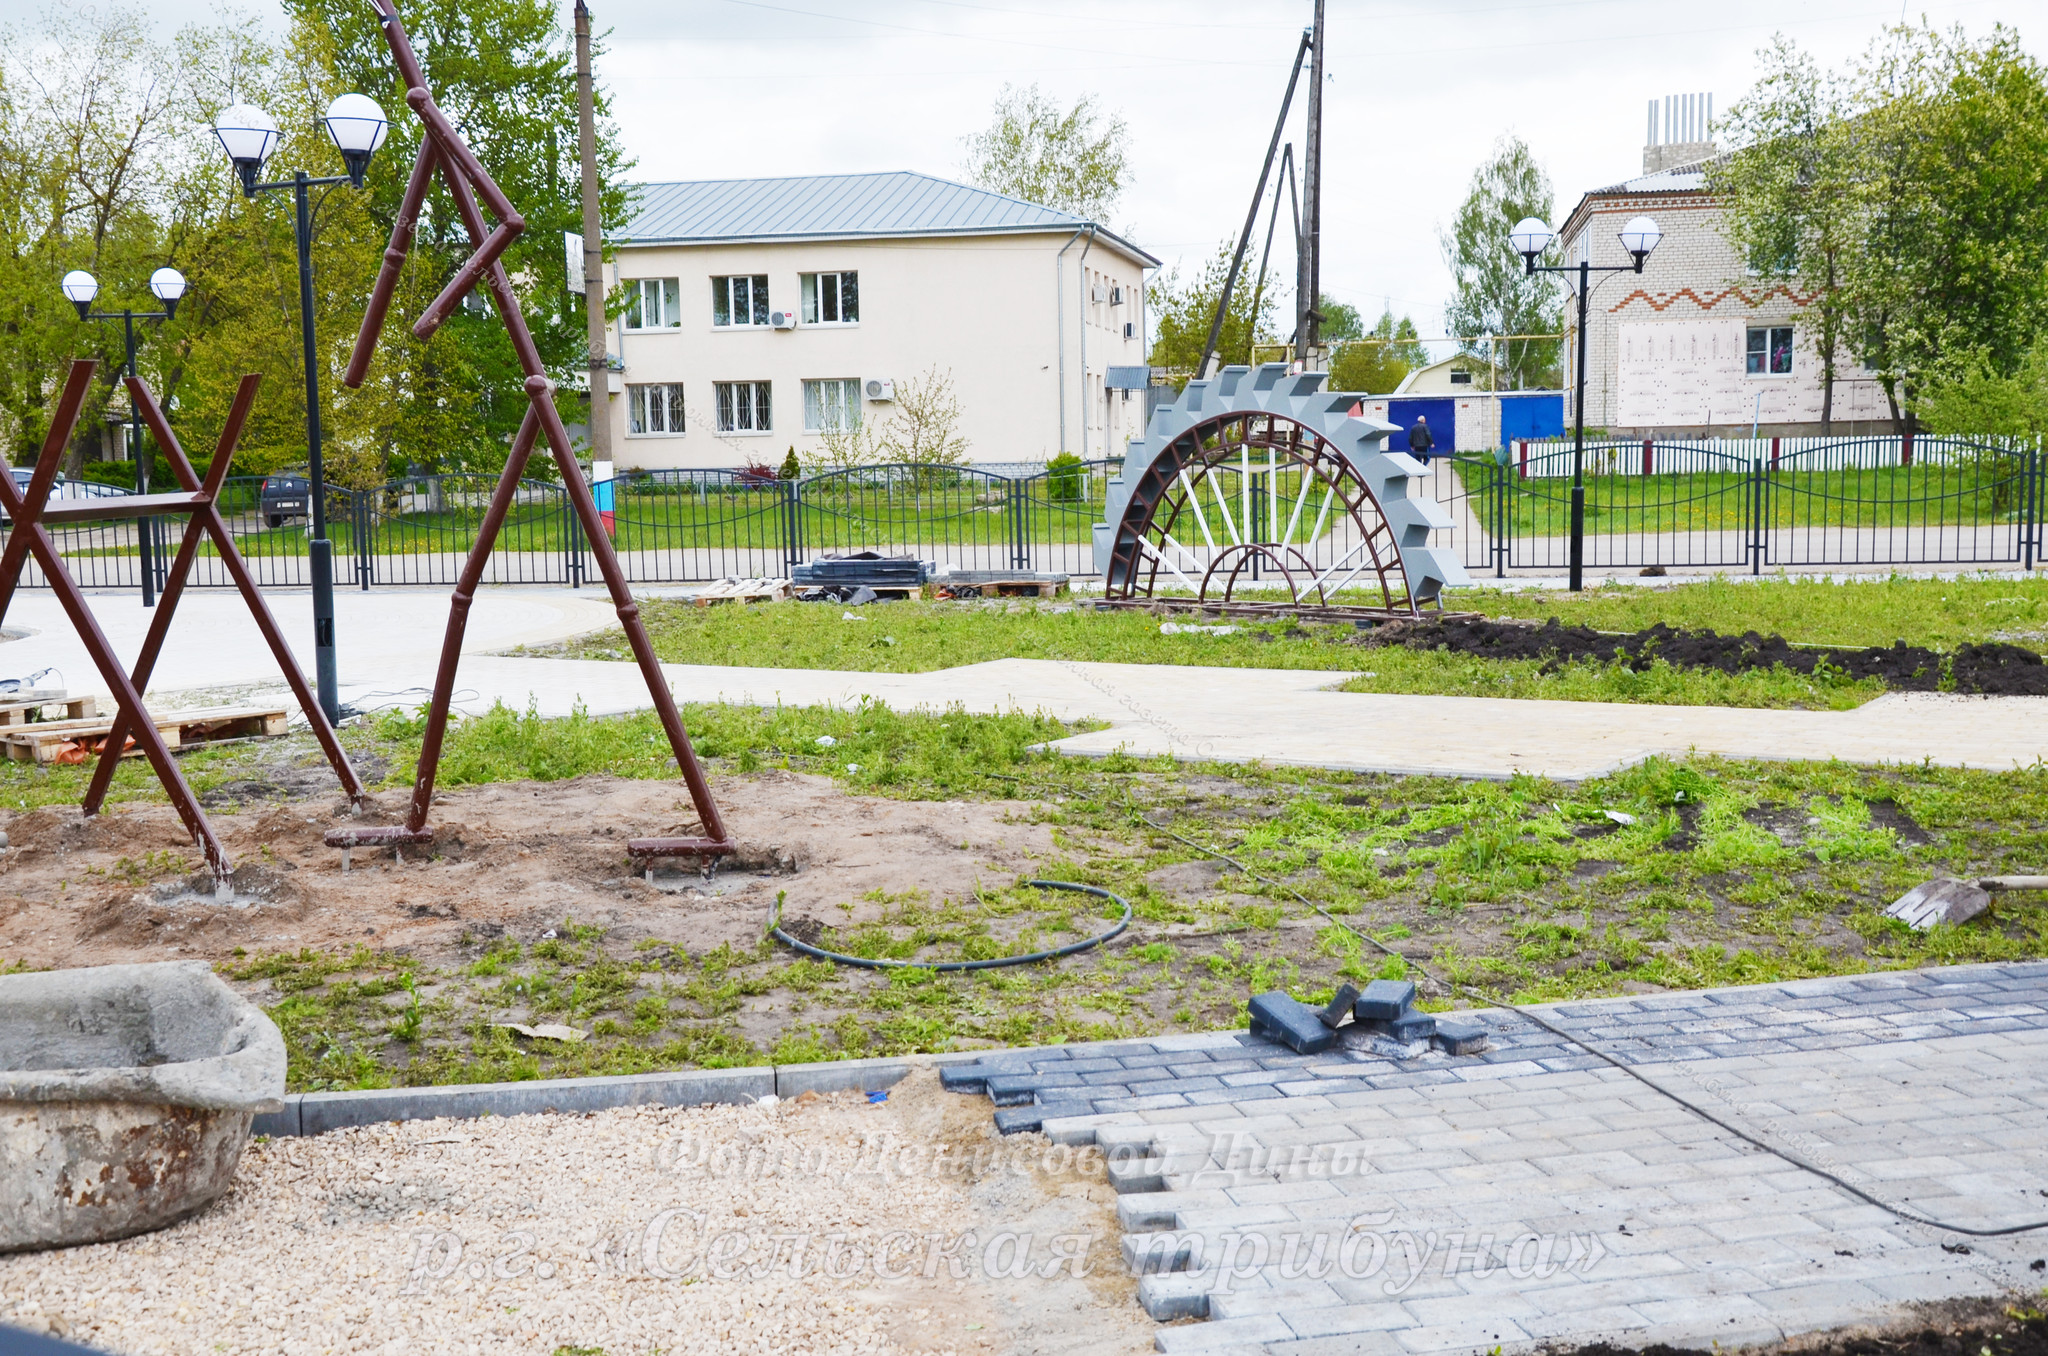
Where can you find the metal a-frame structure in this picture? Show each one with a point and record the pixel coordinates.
(443, 152)
(30, 512)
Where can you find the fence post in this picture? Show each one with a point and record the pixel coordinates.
(2030, 506)
(366, 546)
(1648, 461)
(1758, 526)
(1525, 458)
(792, 519)
(1906, 448)
(1774, 454)
(1015, 494)
(1502, 480)
(575, 560)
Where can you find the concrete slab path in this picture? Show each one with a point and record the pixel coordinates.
(1351, 1202)
(389, 643)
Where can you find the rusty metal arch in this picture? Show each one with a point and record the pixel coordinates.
(1296, 428)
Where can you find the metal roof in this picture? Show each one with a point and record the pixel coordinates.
(1677, 179)
(837, 207)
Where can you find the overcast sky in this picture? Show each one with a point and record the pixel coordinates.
(1417, 92)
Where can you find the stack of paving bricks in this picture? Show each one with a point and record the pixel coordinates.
(1226, 1150)
(1034, 1087)
(1386, 1009)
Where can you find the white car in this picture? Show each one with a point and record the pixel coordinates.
(65, 488)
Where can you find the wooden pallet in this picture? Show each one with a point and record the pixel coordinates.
(1005, 588)
(27, 708)
(744, 591)
(70, 740)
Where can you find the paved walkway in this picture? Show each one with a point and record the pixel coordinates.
(389, 643)
(1351, 1202)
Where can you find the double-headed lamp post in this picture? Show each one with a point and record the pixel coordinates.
(247, 134)
(1530, 238)
(167, 285)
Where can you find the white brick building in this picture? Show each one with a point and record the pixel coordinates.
(765, 313)
(1695, 346)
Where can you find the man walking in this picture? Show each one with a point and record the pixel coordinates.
(1419, 441)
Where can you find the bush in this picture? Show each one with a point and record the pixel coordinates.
(120, 473)
(1064, 477)
(792, 469)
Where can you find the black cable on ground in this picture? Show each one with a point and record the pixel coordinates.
(867, 963)
(1744, 1135)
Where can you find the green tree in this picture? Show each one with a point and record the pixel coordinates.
(1375, 364)
(1341, 322)
(1182, 312)
(504, 72)
(89, 125)
(1793, 200)
(1952, 272)
(1984, 403)
(1491, 294)
(1075, 159)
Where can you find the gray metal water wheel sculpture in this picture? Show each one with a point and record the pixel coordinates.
(1268, 469)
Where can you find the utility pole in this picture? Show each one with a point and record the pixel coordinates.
(1308, 265)
(593, 248)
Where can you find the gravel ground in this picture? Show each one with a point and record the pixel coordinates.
(824, 1224)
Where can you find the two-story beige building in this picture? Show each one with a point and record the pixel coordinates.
(1697, 345)
(763, 313)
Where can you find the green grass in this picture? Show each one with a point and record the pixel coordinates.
(1730, 873)
(1727, 502)
(1942, 613)
(919, 637)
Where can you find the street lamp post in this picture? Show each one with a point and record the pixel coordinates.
(1530, 238)
(166, 285)
(357, 126)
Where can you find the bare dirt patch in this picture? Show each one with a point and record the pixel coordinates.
(1989, 668)
(511, 859)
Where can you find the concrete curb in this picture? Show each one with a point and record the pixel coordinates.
(316, 1113)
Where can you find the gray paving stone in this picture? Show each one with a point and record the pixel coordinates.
(1343, 1344)
(1226, 1333)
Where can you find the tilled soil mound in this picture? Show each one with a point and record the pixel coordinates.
(1989, 1327)
(1991, 669)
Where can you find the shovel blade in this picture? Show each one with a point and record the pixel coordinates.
(1940, 901)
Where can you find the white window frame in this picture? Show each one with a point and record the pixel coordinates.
(845, 393)
(756, 316)
(812, 288)
(1791, 351)
(758, 407)
(664, 295)
(671, 410)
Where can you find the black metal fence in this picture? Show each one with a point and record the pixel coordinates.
(666, 526)
(1748, 505)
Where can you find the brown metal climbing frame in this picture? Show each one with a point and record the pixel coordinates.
(30, 511)
(443, 152)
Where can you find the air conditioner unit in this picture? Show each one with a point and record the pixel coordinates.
(1130, 329)
(1116, 296)
(1098, 293)
(782, 320)
(879, 389)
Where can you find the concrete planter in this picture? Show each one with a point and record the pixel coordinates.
(126, 1093)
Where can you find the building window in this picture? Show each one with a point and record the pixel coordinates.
(1461, 378)
(1770, 352)
(832, 406)
(656, 304)
(654, 409)
(740, 301)
(831, 298)
(742, 406)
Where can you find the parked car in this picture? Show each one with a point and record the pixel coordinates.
(286, 494)
(62, 488)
